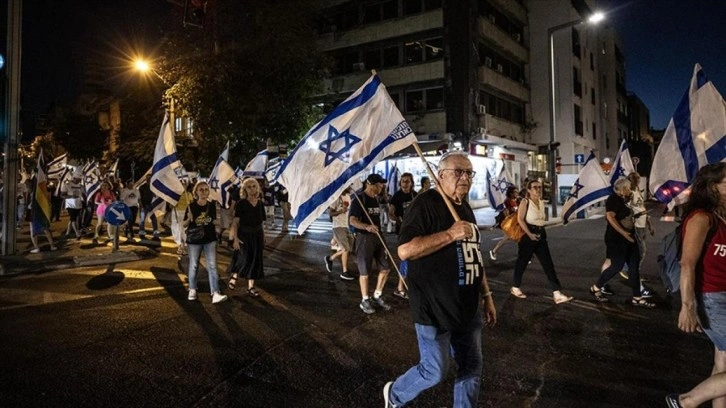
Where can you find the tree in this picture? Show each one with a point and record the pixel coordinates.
(247, 76)
(80, 135)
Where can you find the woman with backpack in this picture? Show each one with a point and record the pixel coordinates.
(703, 279)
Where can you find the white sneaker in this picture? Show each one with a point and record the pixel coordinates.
(516, 292)
(559, 297)
(192, 294)
(218, 297)
(492, 255)
(35, 250)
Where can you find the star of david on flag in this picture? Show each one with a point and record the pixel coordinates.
(498, 181)
(696, 136)
(591, 187)
(221, 181)
(359, 132)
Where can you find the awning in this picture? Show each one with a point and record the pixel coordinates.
(485, 139)
(427, 146)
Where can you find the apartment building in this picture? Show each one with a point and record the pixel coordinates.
(474, 72)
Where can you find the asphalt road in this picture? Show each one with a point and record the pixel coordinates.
(125, 336)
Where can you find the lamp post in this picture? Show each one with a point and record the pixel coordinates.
(593, 19)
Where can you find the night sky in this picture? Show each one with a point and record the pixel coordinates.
(662, 41)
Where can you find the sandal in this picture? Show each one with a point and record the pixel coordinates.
(599, 296)
(641, 302)
(516, 292)
(253, 292)
(401, 293)
(232, 282)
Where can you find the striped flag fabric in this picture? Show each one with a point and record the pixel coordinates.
(91, 179)
(221, 181)
(623, 164)
(56, 166)
(41, 199)
(392, 184)
(591, 187)
(358, 133)
(497, 185)
(257, 166)
(695, 136)
(167, 168)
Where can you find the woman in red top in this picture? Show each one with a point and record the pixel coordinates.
(103, 198)
(703, 280)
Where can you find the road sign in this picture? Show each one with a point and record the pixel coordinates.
(579, 158)
(117, 213)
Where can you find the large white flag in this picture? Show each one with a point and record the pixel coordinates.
(56, 166)
(497, 185)
(220, 182)
(590, 187)
(359, 132)
(257, 166)
(696, 136)
(165, 182)
(623, 164)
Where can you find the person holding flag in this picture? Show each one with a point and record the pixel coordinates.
(40, 209)
(447, 286)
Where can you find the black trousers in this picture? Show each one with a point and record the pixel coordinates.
(539, 248)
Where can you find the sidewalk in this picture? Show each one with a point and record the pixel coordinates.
(70, 253)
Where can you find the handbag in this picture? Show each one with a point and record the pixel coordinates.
(195, 234)
(511, 227)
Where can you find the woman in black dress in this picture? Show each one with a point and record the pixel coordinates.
(248, 237)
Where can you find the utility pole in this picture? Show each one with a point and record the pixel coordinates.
(12, 126)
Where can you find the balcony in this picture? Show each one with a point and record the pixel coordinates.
(487, 29)
(390, 77)
(493, 78)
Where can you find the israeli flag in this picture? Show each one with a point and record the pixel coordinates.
(91, 179)
(358, 133)
(221, 181)
(623, 164)
(696, 136)
(497, 184)
(167, 168)
(392, 184)
(257, 166)
(591, 187)
(113, 170)
(273, 166)
(56, 166)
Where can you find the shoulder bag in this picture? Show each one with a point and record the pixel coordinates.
(510, 226)
(195, 234)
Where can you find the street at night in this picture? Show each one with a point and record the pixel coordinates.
(125, 335)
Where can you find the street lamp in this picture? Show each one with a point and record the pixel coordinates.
(593, 19)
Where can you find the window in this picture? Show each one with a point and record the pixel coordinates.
(414, 101)
(592, 62)
(390, 57)
(434, 99)
(502, 108)
(594, 131)
(575, 43)
(434, 49)
(372, 59)
(396, 99)
(390, 9)
(432, 4)
(592, 95)
(578, 120)
(413, 52)
(411, 7)
(372, 13)
(190, 127)
(178, 124)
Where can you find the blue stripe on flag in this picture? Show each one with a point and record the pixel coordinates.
(588, 198)
(717, 152)
(669, 190)
(701, 79)
(682, 124)
(160, 186)
(368, 92)
(164, 162)
(326, 192)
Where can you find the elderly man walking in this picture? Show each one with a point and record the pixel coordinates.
(447, 286)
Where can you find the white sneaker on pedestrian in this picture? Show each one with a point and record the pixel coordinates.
(192, 294)
(559, 297)
(35, 250)
(218, 297)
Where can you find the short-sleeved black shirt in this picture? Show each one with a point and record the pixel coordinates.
(204, 215)
(400, 201)
(250, 217)
(616, 204)
(372, 207)
(445, 286)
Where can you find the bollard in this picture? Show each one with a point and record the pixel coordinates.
(115, 240)
(547, 213)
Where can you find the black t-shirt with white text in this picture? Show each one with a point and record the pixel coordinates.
(445, 286)
(372, 207)
(203, 215)
(400, 201)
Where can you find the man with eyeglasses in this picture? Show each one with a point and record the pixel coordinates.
(448, 291)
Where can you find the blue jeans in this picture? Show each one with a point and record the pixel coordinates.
(210, 255)
(434, 346)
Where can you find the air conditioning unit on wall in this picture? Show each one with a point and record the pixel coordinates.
(481, 110)
(481, 131)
